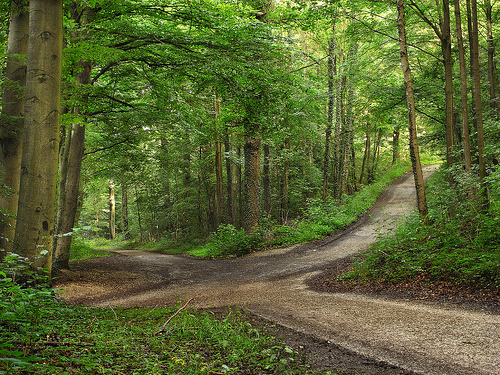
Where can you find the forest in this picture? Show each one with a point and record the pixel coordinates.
(221, 127)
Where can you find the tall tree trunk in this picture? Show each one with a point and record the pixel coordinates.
(35, 219)
(12, 122)
(69, 190)
(448, 74)
(266, 181)
(239, 189)
(139, 217)
(337, 172)
(412, 126)
(252, 183)
(366, 157)
(285, 184)
(332, 45)
(125, 218)
(477, 98)
(494, 103)
(112, 210)
(463, 86)
(229, 176)
(395, 145)
(219, 188)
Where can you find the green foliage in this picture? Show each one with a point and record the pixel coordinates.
(462, 243)
(130, 341)
(324, 218)
(22, 310)
(81, 249)
(229, 241)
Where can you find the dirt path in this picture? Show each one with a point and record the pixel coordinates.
(346, 331)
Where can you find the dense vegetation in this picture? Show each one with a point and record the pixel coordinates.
(43, 335)
(461, 245)
(217, 128)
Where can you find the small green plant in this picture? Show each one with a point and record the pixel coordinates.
(229, 241)
(22, 306)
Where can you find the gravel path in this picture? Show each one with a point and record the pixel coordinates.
(388, 336)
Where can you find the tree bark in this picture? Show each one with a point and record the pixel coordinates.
(366, 157)
(494, 103)
(35, 220)
(12, 122)
(69, 190)
(219, 188)
(463, 87)
(252, 183)
(412, 126)
(332, 45)
(125, 218)
(229, 176)
(112, 210)
(477, 98)
(266, 181)
(395, 145)
(448, 74)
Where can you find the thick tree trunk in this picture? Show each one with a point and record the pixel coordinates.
(12, 122)
(252, 183)
(463, 86)
(35, 220)
(412, 126)
(477, 98)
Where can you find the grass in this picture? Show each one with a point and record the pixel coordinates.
(54, 338)
(461, 244)
(321, 219)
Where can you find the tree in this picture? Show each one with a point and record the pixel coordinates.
(35, 219)
(73, 150)
(412, 126)
(12, 122)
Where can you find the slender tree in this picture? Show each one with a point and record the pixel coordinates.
(412, 126)
(463, 87)
(476, 81)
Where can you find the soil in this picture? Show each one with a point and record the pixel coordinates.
(415, 328)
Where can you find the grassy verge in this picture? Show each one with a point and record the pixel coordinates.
(461, 245)
(41, 335)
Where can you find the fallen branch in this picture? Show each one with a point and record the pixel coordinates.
(162, 329)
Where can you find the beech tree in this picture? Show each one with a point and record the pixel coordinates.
(12, 122)
(35, 218)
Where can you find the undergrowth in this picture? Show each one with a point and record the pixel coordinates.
(461, 244)
(41, 334)
(320, 220)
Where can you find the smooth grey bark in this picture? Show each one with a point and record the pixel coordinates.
(36, 211)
